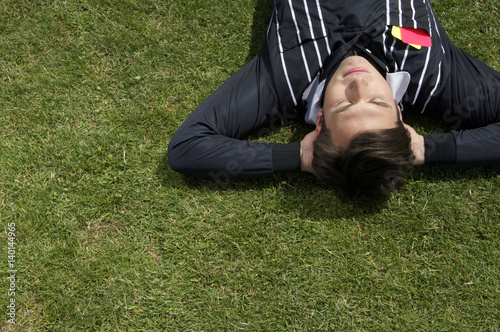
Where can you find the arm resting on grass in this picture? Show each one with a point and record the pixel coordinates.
(480, 146)
(211, 142)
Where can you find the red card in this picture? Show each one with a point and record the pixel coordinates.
(416, 36)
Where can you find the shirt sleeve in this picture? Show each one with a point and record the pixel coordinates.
(440, 149)
(479, 146)
(212, 142)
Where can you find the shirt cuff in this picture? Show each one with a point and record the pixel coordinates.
(286, 157)
(440, 149)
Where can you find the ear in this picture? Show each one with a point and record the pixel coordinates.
(400, 114)
(319, 121)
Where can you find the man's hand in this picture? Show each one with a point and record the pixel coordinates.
(417, 145)
(306, 152)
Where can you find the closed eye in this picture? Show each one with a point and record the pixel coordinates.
(381, 103)
(344, 105)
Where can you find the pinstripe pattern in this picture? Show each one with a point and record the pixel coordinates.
(283, 62)
(323, 28)
(308, 17)
(312, 35)
(299, 38)
(312, 56)
(421, 78)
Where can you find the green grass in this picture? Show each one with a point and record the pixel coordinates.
(108, 238)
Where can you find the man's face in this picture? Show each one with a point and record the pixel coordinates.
(357, 99)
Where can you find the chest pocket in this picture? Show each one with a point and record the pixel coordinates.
(299, 24)
(413, 14)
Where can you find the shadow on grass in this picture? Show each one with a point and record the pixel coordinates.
(452, 173)
(310, 199)
(299, 192)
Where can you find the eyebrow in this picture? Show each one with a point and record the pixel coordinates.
(379, 103)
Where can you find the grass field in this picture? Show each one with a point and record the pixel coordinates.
(108, 238)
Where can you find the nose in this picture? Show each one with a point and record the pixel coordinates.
(357, 88)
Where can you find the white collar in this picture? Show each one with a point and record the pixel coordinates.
(398, 82)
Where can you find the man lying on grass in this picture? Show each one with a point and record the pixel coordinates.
(352, 68)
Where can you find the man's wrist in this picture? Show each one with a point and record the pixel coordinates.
(418, 147)
(303, 163)
(306, 152)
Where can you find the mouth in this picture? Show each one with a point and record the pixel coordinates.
(356, 70)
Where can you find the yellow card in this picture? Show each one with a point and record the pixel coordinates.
(396, 32)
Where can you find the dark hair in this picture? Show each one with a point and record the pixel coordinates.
(374, 164)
